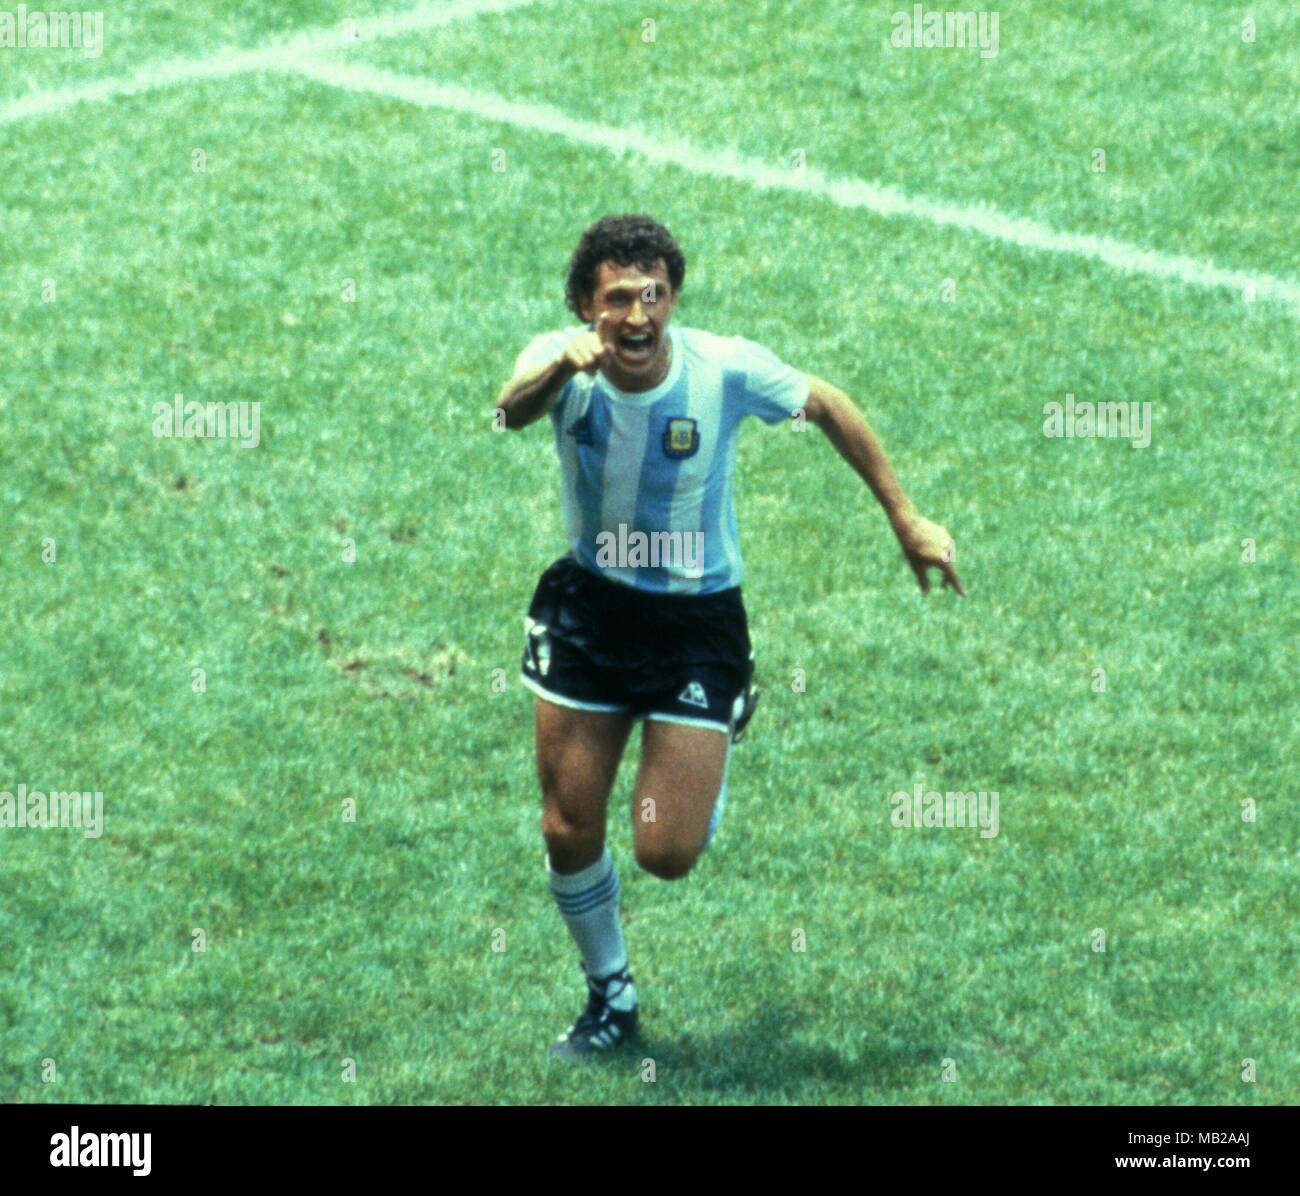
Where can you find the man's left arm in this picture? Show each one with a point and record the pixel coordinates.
(925, 544)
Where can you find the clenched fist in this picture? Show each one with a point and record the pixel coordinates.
(591, 350)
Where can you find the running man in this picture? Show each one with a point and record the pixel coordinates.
(642, 620)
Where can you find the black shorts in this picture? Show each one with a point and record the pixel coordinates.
(595, 644)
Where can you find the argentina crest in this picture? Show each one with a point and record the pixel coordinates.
(681, 438)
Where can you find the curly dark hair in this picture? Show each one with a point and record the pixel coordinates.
(628, 240)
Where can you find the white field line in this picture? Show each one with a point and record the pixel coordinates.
(301, 54)
(272, 56)
(849, 193)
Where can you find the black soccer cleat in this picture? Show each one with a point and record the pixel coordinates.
(600, 1028)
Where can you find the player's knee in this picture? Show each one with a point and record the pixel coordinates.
(562, 827)
(667, 861)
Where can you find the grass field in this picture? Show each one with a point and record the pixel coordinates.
(940, 967)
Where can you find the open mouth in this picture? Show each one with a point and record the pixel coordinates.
(636, 346)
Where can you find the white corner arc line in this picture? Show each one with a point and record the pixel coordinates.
(276, 55)
(880, 198)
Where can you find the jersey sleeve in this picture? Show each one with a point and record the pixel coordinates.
(538, 352)
(773, 390)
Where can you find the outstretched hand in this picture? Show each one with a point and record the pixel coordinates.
(591, 351)
(928, 546)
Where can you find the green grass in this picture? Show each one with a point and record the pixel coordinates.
(373, 680)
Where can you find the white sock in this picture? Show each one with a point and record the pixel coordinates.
(589, 904)
(721, 804)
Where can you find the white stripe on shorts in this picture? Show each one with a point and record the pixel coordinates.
(572, 703)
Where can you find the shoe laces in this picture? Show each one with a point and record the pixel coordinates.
(600, 992)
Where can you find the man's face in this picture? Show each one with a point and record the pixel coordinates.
(637, 305)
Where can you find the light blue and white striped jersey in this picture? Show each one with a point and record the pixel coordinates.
(646, 484)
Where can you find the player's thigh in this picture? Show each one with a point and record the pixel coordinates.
(677, 785)
(578, 753)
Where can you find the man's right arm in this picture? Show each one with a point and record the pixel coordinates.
(527, 397)
(530, 395)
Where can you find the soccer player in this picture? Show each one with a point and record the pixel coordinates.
(642, 620)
